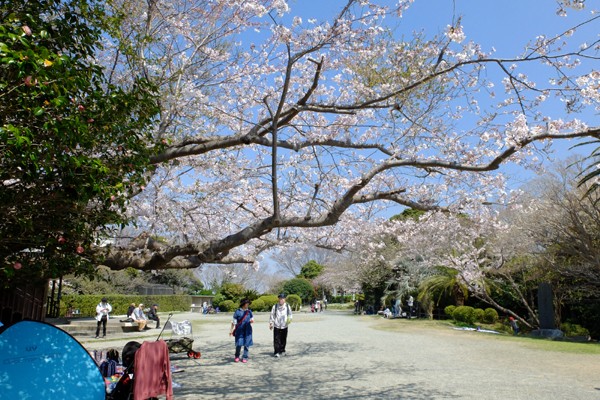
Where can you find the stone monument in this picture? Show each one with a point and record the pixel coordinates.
(546, 313)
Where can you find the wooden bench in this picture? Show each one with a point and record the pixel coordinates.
(129, 326)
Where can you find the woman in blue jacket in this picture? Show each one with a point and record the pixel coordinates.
(241, 329)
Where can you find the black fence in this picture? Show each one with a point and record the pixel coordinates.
(25, 302)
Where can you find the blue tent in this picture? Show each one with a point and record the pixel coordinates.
(41, 361)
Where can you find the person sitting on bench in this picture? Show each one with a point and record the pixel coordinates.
(152, 315)
(129, 314)
(139, 317)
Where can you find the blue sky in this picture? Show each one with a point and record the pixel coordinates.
(506, 26)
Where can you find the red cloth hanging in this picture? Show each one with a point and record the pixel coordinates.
(152, 376)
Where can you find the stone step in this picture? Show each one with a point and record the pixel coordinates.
(87, 326)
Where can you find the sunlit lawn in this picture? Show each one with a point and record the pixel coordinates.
(527, 341)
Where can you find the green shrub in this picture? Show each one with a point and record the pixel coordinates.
(479, 314)
(269, 300)
(464, 314)
(227, 306)
(232, 291)
(257, 305)
(570, 329)
(300, 286)
(449, 310)
(490, 316)
(341, 299)
(217, 300)
(294, 301)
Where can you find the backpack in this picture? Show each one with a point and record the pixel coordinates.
(108, 368)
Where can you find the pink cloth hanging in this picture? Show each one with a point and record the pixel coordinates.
(152, 371)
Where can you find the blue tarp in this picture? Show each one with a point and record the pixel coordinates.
(41, 361)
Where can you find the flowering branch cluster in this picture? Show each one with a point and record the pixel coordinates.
(280, 128)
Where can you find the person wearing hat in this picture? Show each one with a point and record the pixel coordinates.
(241, 329)
(280, 319)
(514, 325)
(153, 315)
(139, 317)
(102, 311)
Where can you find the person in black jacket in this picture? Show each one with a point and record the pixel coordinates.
(129, 313)
(153, 315)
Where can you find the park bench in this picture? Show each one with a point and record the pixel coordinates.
(129, 326)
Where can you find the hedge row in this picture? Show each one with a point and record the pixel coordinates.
(470, 315)
(86, 304)
(570, 329)
(263, 303)
(341, 299)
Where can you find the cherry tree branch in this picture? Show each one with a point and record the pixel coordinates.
(217, 251)
(284, 118)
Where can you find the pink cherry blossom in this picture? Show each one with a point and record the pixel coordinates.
(283, 129)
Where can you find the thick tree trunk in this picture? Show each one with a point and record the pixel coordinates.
(459, 296)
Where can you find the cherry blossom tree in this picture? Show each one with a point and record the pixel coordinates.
(464, 256)
(547, 233)
(550, 235)
(282, 129)
(344, 274)
(559, 224)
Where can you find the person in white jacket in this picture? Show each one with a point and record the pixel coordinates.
(102, 311)
(281, 317)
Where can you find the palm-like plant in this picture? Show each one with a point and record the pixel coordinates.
(446, 282)
(250, 294)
